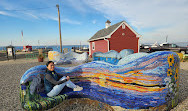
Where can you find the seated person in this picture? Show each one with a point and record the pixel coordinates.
(53, 85)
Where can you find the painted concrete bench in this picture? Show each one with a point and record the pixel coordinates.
(111, 56)
(148, 82)
(67, 58)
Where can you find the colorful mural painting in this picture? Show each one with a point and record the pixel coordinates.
(112, 56)
(67, 58)
(150, 81)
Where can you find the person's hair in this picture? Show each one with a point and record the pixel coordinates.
(49, 63)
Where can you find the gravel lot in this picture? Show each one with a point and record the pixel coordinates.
(11, 72)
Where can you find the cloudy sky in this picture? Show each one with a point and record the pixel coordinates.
(81, 19)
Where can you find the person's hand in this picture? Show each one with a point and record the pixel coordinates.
(68, 78)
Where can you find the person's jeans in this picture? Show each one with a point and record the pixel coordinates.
(57, 88)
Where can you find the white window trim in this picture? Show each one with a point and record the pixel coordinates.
(93, 45)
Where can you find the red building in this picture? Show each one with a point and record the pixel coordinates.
(116, 37)
(27, 48)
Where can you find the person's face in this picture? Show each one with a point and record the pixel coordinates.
(51, 66)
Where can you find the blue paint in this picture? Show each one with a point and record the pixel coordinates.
(154, 66)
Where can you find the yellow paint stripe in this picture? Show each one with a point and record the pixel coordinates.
(135, 87)
(120, 76)
(124, 79)
(105, 83)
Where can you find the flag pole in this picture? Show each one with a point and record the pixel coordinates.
(22, 37)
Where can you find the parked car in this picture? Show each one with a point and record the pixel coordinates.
(143, 46)
(169, 47)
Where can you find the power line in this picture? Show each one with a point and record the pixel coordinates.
(30, 9)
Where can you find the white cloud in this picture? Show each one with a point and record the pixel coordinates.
(48, 16)
(94, 21)
(4, 13)
(175, 33)
(31, 15)
(71, 21)
(55, 18)
(16, 10)
(7, 14)
(78, 5)
(153, 19)
(36, 14)
(162, 17)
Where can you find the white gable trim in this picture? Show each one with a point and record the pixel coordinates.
(126, 24)
(108, 36)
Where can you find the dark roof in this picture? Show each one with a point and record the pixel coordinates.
(108, 21)
(106, 31)
(10, 46)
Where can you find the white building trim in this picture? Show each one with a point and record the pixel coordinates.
(100, 38)
(108, 44)
(138, 45)
(137, 35)
(89, 49)
(109, 36)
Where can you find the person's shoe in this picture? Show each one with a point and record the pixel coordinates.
(78, 88)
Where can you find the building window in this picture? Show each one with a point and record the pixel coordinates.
(123, 26)
(93, 45)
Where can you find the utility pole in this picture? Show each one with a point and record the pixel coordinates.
(166, 38)
(80, 45)
(59, 28)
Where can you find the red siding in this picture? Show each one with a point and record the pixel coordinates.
(100, 46)
(119, 42)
